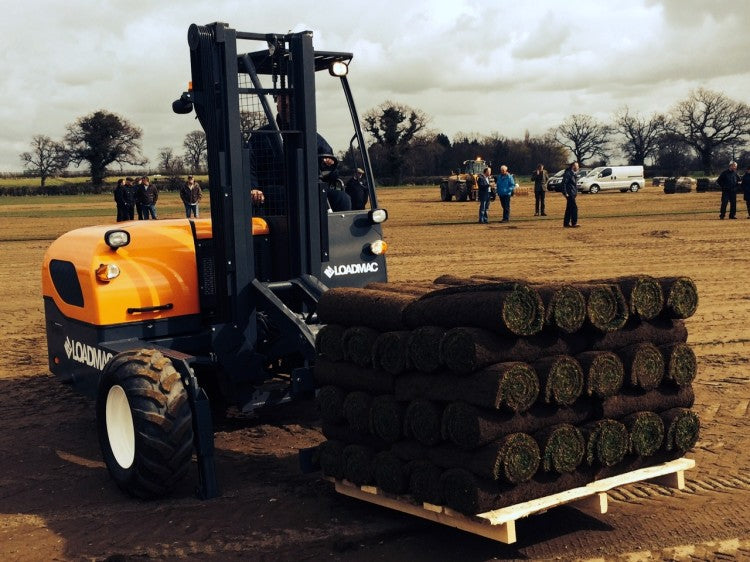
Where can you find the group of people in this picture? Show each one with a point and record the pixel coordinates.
(731, 182)
(135, 196)
(506, 185)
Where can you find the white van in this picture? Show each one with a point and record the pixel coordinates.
(624, 178)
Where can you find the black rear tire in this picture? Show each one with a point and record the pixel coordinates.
(444, 193)
(144, 423)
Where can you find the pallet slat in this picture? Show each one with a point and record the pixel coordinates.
(499, 524)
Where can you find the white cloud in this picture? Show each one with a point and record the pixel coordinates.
(472, 65)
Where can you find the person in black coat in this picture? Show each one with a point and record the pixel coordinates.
(119, 194)
(357, 190)
(746, 190)
(570, 190)
(729, 180)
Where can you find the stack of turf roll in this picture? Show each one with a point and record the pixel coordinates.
(482, 392)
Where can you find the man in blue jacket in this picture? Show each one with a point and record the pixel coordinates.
(483, 195)
(570, 190)
(506, 183)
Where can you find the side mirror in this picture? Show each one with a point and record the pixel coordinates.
(183, 105)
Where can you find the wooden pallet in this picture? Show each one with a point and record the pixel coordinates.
(500, 524)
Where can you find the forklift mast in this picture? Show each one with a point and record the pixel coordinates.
(230, 92)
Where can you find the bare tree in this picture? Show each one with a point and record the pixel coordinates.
(641, 134)
(196, 149)
(103, 138)
(46, 158)
(169, 163)
(707, 121)
(584, 136)
(394, 126)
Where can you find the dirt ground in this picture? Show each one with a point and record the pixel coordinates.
(58, 503)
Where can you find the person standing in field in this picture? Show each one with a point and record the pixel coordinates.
(119, 194)
(506, 183)
(190, 193)
(139, 198)
(357, 190)
(129, 196)
(746, 189)
(150, 194)
(539, 177)
(569, 191)
(729, 180)
(483, 195)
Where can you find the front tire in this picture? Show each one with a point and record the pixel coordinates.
(634, 187)
(594, 189)
(144, 423)
(444, 193)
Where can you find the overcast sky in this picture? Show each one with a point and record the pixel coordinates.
(473, 66)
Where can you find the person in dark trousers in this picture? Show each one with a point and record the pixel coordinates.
(746, 190)
(729, 180)
(569, 191)
(506, 184)
(129, 200)
(483, 195)
(149, 196)
(119, 194)
(190, 193)
(139, 196)
(357, 190)
(540, 178)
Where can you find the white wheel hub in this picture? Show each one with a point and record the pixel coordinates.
(120, 428)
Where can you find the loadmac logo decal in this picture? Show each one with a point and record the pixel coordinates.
(86, 354)
(351, 269)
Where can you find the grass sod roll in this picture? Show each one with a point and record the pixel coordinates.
(470, 427)
(424, 348)
(422, 420)
(329, 342)
(682, 429)
(424, 482)
(390, 473)
(356, 409)
(607, 442)
(416, 288)
(467, 493)
(681, 363)
(657, 332)
(643, 294)
(512, 386)
(603, 372)
(644, 365)
(358, 343)
(352, 377)
(564, 307)
(358, 464)
(352, 306)
(508, 308)
(387, 418)
(390, 352)
(657, 400)
(330, 455)
(562, 447)
(560, 379)
(464, 350)
(345, 434)
(681, 297)
(606, 308)
(513, 459)
(646, 432)
(329, 403)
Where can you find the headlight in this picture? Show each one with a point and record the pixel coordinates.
(107, 271)
(338, 68)
(117, 238)
(377, 216)
(378, 247)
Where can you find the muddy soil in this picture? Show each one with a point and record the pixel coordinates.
(58, 503)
